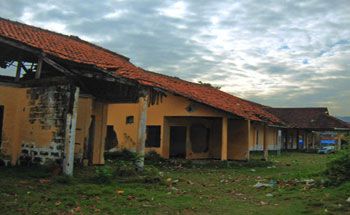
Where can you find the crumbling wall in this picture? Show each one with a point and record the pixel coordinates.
(44, 123)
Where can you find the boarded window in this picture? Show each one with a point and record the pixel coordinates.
(153, 136)
(199, 138)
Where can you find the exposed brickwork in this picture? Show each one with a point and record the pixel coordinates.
(48, 106)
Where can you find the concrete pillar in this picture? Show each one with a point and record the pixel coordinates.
(339, 141)
(249, 139)
(141, 135)
(306, 141)
(71, 124)
(165, 144)
(188, 141)
(266, 144)
(297, 139)
(224, 138)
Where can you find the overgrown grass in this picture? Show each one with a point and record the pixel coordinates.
(182, 187)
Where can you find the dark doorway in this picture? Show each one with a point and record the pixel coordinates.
(178, 141)
(199, 136)
(89, 148)
(153, 136)
(111, 138)
(1, 121)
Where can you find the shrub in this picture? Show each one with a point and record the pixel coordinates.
(153, 156)
(125, 169)
(103, 174)
(338, 170)
(124, 154)
(151, 175)
(64, 179)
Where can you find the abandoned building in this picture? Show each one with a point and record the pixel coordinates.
(64, 94)
(193, 121)
(63, 99)
(54, 96)
(304, 127)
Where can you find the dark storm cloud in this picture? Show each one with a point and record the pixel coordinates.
(282, 53)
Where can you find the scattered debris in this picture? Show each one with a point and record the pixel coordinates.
(271, 167)
(252, 170)
(269, 195)
(120, 192)
(263, 203)
(130, 197)
(348, 200)
(44, 181)
(271, 184)
(190, 182)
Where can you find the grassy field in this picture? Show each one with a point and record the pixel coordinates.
(189, 188)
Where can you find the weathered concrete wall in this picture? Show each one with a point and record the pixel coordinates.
(214, 142)
(170, 106)
(100, 112)
(257, 138)
(14, 100)
(83, 125)
(34, 124)
(238, 139)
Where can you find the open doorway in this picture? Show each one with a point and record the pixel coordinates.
(178, 141)
(1, 122)
(90, 142)
(111, 138)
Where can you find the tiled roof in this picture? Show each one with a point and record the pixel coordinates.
(203, 94)
(73, 49)
(309, 118)
(66, 47)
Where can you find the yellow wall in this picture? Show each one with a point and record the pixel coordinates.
(176, 106)
(29, 122)
(83, 125)
(257, 141)
(171, 106)
(13, 99)
(238, 139)
(34, 122)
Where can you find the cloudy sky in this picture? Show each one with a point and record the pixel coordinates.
(279, 53)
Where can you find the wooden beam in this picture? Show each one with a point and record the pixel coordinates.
(39, 68)
(57, 66)
(24, 68)
(266, 144)
(71, 124)
(224, 144)
(141, 137)
(19, 45)
(297, 139)
(18, 71)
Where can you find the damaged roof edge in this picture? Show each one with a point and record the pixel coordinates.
(49, 57)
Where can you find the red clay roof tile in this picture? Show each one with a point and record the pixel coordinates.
(73, 49)
(309, 118)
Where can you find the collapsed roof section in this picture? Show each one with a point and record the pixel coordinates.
(70, 48)
(309, 118)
